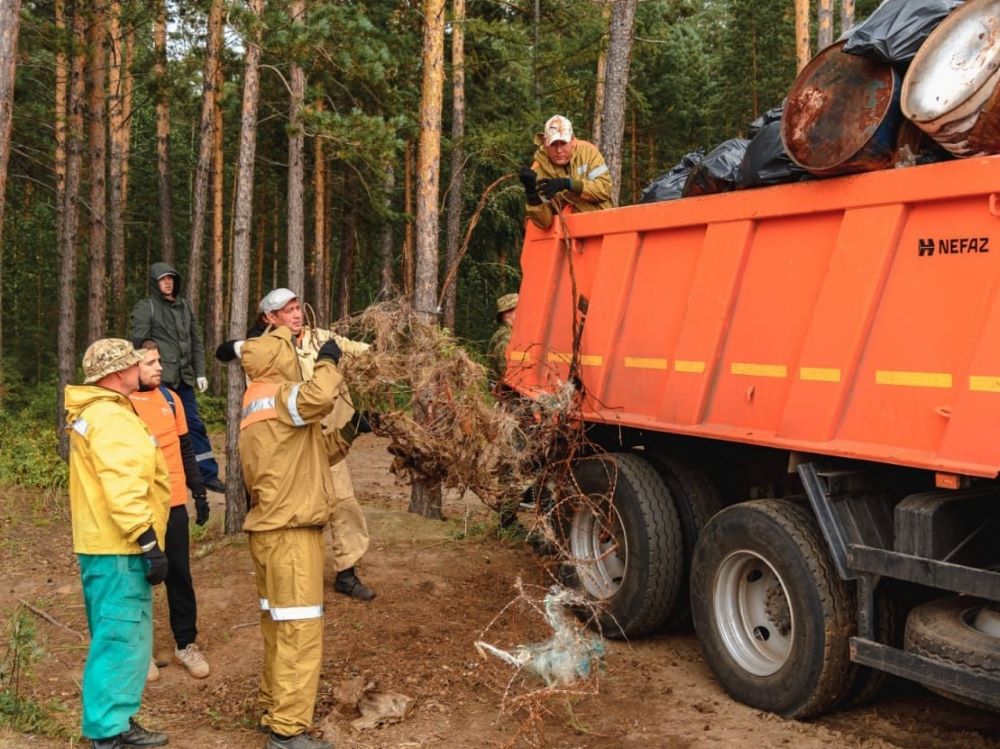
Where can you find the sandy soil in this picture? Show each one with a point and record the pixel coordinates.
(440, 586)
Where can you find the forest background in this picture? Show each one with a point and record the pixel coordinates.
(126, 139)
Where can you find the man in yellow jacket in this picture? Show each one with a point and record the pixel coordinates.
(119, 490)
(565, 171)
(284, 459)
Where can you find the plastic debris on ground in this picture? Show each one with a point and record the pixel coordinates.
(897, 28)
(670, 186)
(571, 655)
(719, 171)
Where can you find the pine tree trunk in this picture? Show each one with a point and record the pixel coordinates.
(348, 257)
(66, 336)
(455, 196)
(199, 194)
(328, 225)
(243, 216)
(601, 77)
(408, 231)
(10, 24)
(846, 15)
(426, 500)
(217, 306)
(613, 115)
(385, 246)
(118, 139)
(824, 34)
(61, 93)
(296, 168)
(802, 44)
(97, 299)
(128, 87)
(163, 135)
(319, 229)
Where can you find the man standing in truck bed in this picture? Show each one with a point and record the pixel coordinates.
(565, 170)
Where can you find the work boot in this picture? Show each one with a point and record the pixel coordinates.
(214, 485)
(192, 659)
(153, 672)
(135, 736)
(300, 741)
(349, 584)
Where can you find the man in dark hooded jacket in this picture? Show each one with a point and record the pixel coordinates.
(167, 318)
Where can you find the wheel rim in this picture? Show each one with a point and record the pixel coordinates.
(753, 613)
(985, 620)
(599, 548)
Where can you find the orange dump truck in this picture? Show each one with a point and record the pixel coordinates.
(797, 390)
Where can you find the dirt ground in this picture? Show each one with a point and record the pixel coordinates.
(440, 585)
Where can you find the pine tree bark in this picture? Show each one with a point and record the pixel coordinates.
(10, 25)
(846, 15)
(824, 32)
(616, 89)
(97, 81)
(319, 230)
(296, 168)
(163, 135)
(217, 305)
(66, 335)
(199, 196)
(425, 500)
(348, 256)
(128, 87)
(408, 218)
(387, 286)
(802, 42)
(61, 94)
(455, 197)
(242, 218)
(601, 77)
(119, 137)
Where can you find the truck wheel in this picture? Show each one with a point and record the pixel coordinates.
(958, 630)
(697, 500)
(865, 683)
(772, 616)
(626, 553)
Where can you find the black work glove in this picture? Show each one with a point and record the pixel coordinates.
(156, 560)
(530, 181)
(329, 350)
(552, 187)
(360, 423)
(226, 351)
(202, 509)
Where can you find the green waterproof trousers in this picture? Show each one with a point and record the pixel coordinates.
(119, 605)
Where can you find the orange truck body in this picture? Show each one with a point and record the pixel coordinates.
(855, 317)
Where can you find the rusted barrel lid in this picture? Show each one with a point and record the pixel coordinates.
(842, 114)
(951, 87)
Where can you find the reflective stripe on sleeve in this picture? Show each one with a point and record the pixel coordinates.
(264, 605)
(80, 426)
(293, 407)
(595, 173)
(204, 456)
(258, 405)
(292, 613)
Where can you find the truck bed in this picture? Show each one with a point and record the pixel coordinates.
(856, 316)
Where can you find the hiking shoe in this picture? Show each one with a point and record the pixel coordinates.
(349, 584)
(192, 659)
(137, 736)
(214, 485)
(299, 741)
(153, 672)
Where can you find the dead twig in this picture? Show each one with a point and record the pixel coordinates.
(51, 619)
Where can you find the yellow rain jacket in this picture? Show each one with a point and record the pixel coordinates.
(119, 484)
(284, 457)
(585, 166)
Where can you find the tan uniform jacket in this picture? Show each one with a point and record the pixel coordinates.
(587, 165)
(284, 459)
(497, 354)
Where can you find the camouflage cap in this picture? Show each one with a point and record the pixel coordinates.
(558, 128)
(107, 356)
(506, 303)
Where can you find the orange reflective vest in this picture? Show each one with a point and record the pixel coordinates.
(258, 403)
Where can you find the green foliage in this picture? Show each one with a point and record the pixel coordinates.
(28, 438)
(18, 709)
(212, 410)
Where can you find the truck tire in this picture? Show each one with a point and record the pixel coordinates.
(626, 554)
(771, 615)
(946, 630)
(865, 683)
(697, 500)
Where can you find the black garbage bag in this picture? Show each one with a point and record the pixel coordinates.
(766, 162)
(771, 115)
(670, 185)
(895, 30)
(719, 171)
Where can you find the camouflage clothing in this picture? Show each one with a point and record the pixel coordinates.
(497, 352)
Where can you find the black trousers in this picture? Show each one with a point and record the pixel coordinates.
(180, 589)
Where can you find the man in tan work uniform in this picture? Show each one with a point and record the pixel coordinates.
(348, 529)
(284, 459)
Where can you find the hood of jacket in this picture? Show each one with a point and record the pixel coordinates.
(271, 357)
(78, 397)
(158, 270)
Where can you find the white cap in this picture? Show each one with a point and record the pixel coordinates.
(558, 128)
(276, 299)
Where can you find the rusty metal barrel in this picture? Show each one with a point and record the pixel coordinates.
(842, 114)
(952, 88)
